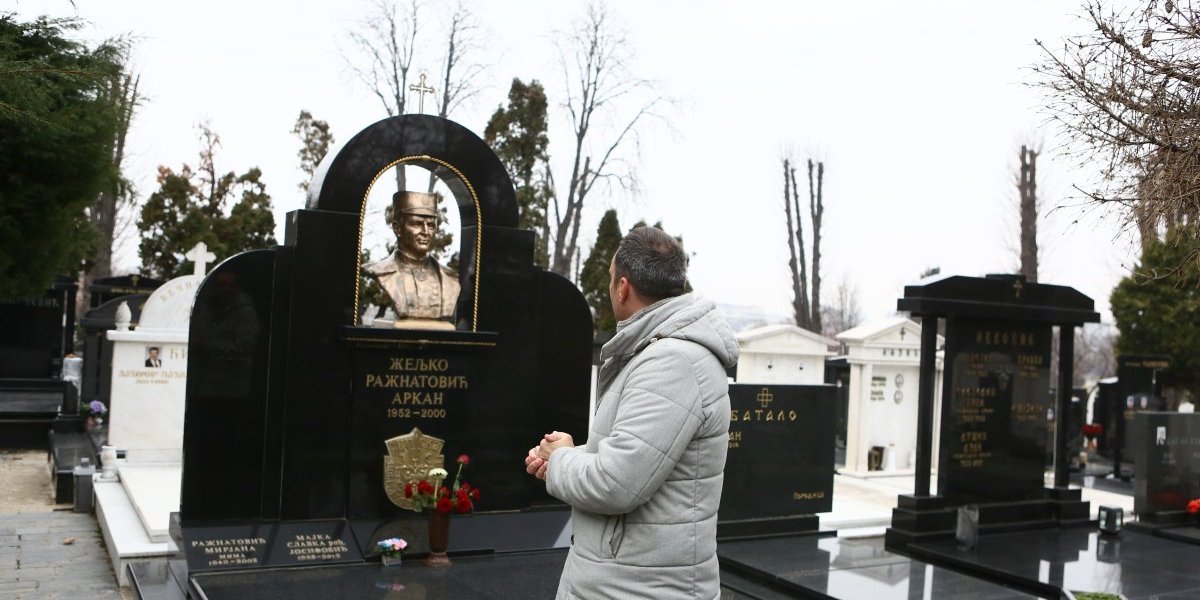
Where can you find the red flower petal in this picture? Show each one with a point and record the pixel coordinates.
(463, 459)
(463, 505)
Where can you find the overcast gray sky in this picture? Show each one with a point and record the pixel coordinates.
(917, 109)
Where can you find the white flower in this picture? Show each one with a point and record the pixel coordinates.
(438, 473)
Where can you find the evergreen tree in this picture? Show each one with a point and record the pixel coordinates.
(1157, 308)
(517, 133)
(315, 140)
(56, 130)
(595, 276)
(230, 213)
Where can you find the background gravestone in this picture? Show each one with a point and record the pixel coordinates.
(276, 347)
(1167, 460)
(35, 335)
(994, 412)
(38, 332)
(779, 470)
(1139, 388)
(995, 406)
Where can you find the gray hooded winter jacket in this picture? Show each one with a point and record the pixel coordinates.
(646, 487)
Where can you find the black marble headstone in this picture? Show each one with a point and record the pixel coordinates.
(1139, 378)
(276, 348)
(996, 405)
(105, 289)
(1167, 459)
(38, 332)
(780, 461)
(995, 411)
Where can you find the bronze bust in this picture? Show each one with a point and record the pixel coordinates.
(423, 292)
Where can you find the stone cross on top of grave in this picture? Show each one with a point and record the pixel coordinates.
(200, 257)
(421, 88)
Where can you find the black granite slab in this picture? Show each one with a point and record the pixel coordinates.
(1167, 459)
(780, 460)
(815, 566)
(228, 546)
(520, 576)
(38, 332)
(1134, 564)
(105, 289)
(995, 438)
(313, 542)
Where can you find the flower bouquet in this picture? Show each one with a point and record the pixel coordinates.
(441, 501)
(391, 550)
(95, 412)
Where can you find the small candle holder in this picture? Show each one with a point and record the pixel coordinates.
(1112, 519)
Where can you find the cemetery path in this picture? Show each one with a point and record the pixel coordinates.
(47, 551)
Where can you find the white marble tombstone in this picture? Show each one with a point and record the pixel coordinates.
(149, 379)
(884, 357)
(782, 354)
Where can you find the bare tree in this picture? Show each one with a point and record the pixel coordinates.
(846, 310)
(1029, 209)
(816, 207)
(459, 72)
(798, 263)
(387, 39)
(1127, 94)
(1095, 352)
(594, 57)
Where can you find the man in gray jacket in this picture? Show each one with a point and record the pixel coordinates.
(645, 489)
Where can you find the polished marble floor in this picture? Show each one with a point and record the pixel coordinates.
(849, 569)
(1137, 565)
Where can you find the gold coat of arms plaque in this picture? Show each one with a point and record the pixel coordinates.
(409, 459)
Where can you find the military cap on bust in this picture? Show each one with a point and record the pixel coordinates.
(415, 203)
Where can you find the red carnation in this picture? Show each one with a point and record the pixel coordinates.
(465, 486)
(463, 459)
(424, 487)
(444, 505)
(408, 490)
(462, 505)
(475, 494)
(444, 492)
(1193, 506)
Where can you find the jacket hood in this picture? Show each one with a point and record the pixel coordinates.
(688, 317)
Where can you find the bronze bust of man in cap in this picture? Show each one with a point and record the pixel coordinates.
(423, 292)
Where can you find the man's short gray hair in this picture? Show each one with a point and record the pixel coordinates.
(653, 262)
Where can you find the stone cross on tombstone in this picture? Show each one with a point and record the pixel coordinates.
(421, 88)
(200, 257)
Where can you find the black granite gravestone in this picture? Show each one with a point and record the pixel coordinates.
(1167, 459)
(36, 334)
(1139, 381)
(994, 411)
(779, 470)
(290, 400)
(104, 289)
(995, 407)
